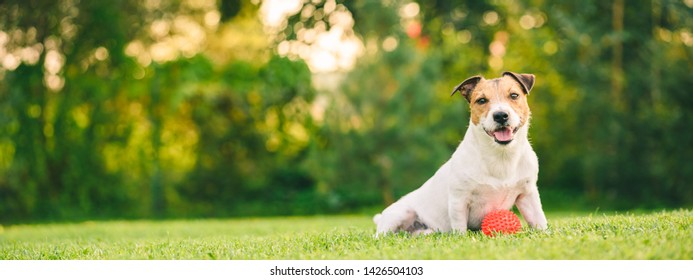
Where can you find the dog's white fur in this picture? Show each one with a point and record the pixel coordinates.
(481, 176)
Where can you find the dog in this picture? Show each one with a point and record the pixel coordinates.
(494, 167)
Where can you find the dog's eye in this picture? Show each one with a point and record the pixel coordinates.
(514, 96)
(481, 101)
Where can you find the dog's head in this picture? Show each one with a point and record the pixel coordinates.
(498, 106)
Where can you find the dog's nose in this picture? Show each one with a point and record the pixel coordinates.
(500, 117)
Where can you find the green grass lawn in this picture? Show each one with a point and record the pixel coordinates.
(658, 235)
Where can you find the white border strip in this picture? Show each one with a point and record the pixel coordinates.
(375, 269)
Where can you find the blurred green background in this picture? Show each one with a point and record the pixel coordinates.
(218, 108)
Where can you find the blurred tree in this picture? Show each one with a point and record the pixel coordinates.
(625, 150)
(197, 108)
(381, 133)
(106, 118)
(57, 98)
(251, 138)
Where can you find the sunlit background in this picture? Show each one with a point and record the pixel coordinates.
(214, 108)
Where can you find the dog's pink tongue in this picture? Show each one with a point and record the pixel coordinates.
(503, 135)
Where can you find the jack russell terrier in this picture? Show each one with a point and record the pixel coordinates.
(493, 168)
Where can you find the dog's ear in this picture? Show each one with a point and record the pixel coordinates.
(525, 80)
(465, 88)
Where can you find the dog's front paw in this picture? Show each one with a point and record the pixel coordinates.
(538, 222)
(426, 231)
(459, 231)
(540, 226)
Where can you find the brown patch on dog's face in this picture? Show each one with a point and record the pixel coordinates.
(479, 101)
(511, 91)
(490, 92)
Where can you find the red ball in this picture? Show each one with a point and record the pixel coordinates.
(500, 221)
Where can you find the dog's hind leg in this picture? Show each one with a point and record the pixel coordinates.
(419, 228)
(394, 220)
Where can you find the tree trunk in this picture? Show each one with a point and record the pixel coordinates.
(617, 78)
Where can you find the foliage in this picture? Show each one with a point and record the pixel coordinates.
(659, 235)
(144, 109)
(99, 135)
(381, 128)
(628, 101)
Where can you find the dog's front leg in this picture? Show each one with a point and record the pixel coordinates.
(458, 209)
(530, 208)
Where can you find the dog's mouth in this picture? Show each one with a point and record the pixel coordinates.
(503, 135)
